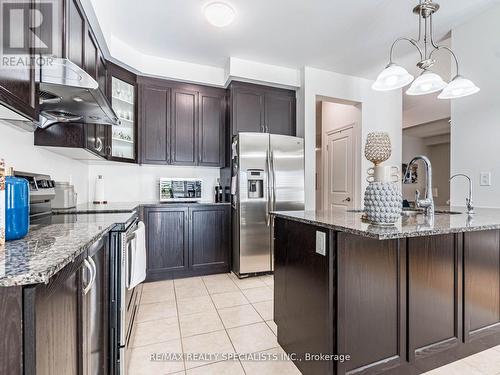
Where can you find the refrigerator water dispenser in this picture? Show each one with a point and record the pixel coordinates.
(255, 183)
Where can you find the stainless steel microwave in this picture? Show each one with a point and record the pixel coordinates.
(180, 189)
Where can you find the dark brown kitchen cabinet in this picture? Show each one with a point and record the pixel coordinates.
(166, 241)
(279, 114)
(102, 73)
(18, 88)
(209, 238)
(65, 322)
(122, 139)
(247, 110)
(481, 285)
(183, 129)
(91, 50)
(181, 124)
(212, 128)
(257, 108)
(53, 315)
(75, 32)
(187, 240)
(154, 104)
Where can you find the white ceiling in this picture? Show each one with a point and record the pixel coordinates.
(351, 37)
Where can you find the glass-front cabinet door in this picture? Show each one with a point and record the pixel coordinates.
(123, 99)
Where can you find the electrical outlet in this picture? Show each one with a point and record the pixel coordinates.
(321, 243)
(485, 179)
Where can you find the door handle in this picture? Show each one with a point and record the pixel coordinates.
(91, 272)
(348, 199)
(273, 172)
(268, 188)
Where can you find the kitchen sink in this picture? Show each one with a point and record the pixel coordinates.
(412, 212)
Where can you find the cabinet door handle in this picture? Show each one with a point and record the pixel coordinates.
(91, 272)
(98, 144)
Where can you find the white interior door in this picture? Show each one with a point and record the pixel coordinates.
(340, 169)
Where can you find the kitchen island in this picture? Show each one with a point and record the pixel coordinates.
(402, 299)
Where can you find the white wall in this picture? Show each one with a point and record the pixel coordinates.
(475, 129)
(16, 147)
(131, 182)
(380, 111)
(123, 182)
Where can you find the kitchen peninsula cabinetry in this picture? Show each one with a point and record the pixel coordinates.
(181, 124)
(60, 327)
(256, 108)
(187, 240)
(395, 304)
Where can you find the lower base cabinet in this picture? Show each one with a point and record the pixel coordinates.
(396, 306)
(187, 240)
(65, 322)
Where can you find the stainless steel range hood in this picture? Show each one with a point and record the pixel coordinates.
(69, 94)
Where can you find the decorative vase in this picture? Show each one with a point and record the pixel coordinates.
(378, 147)
(383, 203)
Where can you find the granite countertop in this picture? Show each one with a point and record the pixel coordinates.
(115, 207)
(407, 226)
(49, 247)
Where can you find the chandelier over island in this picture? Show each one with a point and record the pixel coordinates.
(395, 77)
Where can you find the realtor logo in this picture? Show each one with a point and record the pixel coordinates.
(26, 25)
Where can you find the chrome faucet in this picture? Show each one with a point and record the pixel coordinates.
(468, 200)
(428, 202)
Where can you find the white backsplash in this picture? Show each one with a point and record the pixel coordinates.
(130, 182)
(16, 147)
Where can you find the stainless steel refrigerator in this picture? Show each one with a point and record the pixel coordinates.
(268, 175)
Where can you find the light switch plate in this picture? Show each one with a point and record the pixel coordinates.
(321, 243)
(485, 179)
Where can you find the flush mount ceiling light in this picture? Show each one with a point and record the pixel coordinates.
(219, 14)
(394, 77)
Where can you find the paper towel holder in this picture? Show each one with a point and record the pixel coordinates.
(99, 191)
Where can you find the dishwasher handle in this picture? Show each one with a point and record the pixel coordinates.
(90, 269)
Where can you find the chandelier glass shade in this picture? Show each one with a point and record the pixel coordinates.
(426, 83)
(391, 78)
(395, 77)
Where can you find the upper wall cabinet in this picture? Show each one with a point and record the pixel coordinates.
(256, 108)
(75, 33)
(181, 124)
(154, 104)
(18, 89)
(211, 128)
(184, 126)
(124, 102)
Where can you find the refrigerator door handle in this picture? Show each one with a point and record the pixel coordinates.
(268, 190)
(273, 173)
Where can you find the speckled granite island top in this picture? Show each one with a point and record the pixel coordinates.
(49, 247)
(407, 226)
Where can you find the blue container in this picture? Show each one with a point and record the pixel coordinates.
(17, 208)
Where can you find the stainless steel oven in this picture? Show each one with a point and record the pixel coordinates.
(124, 302)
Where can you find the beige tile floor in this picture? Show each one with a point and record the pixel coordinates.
(222, 314)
